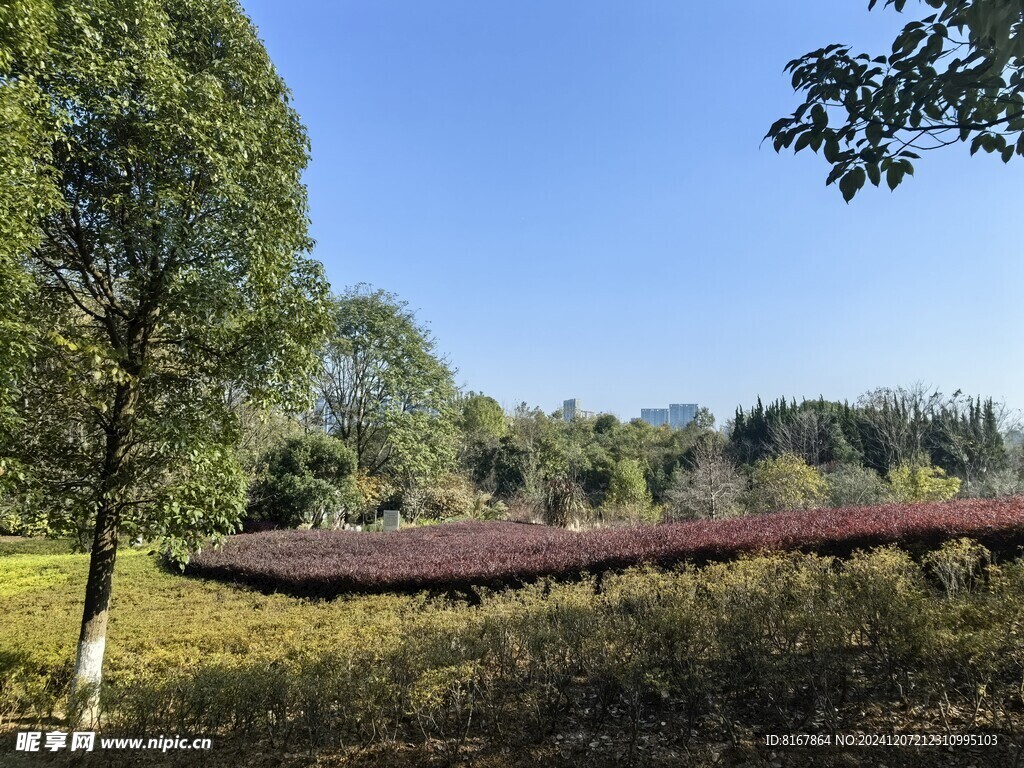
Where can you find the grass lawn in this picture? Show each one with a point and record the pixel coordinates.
(160, 619)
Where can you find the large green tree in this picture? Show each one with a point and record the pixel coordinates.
(954, 75)
(482, 423)
(483, 418)
(385, 391)
(170, 271)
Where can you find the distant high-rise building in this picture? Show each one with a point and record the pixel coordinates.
(569, 409)
(656, 417)
(681, 414)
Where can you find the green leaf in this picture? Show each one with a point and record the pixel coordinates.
(819, 116)
(851, 183)
(894, 175)
(831, 149)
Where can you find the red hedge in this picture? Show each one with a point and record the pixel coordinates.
(458, 555)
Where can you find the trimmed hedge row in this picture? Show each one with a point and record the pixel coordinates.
(318, 563)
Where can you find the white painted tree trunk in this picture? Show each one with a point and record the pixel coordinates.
(85, 687)
(92, 642)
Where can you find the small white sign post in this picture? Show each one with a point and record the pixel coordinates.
(392, 520)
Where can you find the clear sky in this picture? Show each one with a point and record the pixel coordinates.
(573, 194)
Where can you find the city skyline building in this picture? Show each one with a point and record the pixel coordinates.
(569, 409)
(656, 417)
(676, 416)
(681, 414)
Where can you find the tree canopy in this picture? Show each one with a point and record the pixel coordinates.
(27, 185)
(166, 265)
(170, 269)
(384, 390)
(310, 482)
(954, 75)
(483, 417)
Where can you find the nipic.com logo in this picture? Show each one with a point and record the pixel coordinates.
(86, 741)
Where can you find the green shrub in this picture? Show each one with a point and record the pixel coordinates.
(958, 565)
(310, 482)
(450, 496)
(886, 598)
(486, 507)
(565, 502)
(628, 487)
(786, 482)
(657, 641)
(996, 484)
(912, 482)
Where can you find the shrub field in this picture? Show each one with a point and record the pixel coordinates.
(317, 563)
(687, 666)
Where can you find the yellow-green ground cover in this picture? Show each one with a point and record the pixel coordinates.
(162, 622)
(643, 667)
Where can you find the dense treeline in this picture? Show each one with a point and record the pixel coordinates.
(883, 429)
(419, 444)
(390, 429)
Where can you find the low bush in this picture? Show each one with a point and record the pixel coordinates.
(565, 502)
(918, 481)
(631, 668)
(958, 564)
(450, 496)
(785, 482)
(998, 483)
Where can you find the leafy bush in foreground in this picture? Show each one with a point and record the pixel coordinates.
(327, 563)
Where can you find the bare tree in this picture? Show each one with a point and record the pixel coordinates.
(710, 490)
(808, 433)
(969, 432)
(897, 420)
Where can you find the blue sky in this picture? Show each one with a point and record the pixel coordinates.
(573, 194)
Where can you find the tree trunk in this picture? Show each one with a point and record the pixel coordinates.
(93, 638)
(85, 686)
